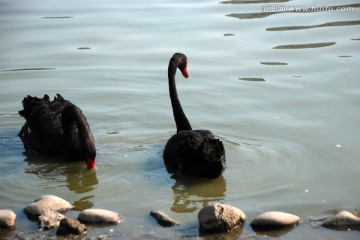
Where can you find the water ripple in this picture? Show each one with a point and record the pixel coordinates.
(254, 1)
(251, 15)
(273, 63)
(268, 168)
(305, 45)
(28, 69)
(252, 79)
(58, 17)
(328, 24)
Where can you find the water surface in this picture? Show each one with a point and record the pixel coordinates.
(280, 88)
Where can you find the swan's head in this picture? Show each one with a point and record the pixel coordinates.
(89, 152)
(78, 135)
(91, 163)
(181, 61)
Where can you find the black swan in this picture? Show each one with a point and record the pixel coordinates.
(57, 128)
(197, 152)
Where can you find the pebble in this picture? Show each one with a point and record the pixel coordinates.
(274, 220)
(70, 226)
(50, 219)
(99, 216)
(7, 218)
(343, 220)
(47, 202)
(220, 217)
(163, 219)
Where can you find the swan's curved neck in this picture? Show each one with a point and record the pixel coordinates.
(73, 121)
(182, 123)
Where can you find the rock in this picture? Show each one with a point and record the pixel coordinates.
(47, 202)
(343, 220)
(70, 226)
(163, 219)
(50, 219)
(99, 216)
(7, 218)
(274, 221)
(220, 217)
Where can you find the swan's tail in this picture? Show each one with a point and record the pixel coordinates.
(32, 104)
(213, 155)
(213, 149)
(40, 115)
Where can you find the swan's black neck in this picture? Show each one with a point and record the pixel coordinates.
(182, 123)
(77, 131)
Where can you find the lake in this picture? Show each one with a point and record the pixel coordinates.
(277, 81)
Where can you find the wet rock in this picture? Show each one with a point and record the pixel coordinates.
(47, 202)
(7, 218)
(50, 219)
(343, 220)
(163, 219)
(99, 216)
(220, 217)
(274, 221)
(70, 226)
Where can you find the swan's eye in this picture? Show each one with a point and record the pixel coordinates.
(182, 66)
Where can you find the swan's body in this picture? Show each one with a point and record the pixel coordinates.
(57, 128)
(197, 152)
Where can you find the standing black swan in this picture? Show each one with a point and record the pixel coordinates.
(57, 128)
(190, 151)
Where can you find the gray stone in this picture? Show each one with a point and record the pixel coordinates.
(50, 219)
(274, 220)
(220, 217)
(7, 218)
(99, 216)
(343, 220)
(47, 202)
(163, 219)
(70, 226)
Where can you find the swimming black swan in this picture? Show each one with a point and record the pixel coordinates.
(57, 128)
(197, 152)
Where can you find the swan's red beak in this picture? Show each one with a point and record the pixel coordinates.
(91, 163)
(185, 72)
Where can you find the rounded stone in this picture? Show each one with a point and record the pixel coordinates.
(99, 216)
(220, 217)
(163, 219)
(47, 202)
(343, 219)
(274, 220)
(7, 218)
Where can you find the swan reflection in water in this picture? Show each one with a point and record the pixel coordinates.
(56, 173)
(191, 193)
